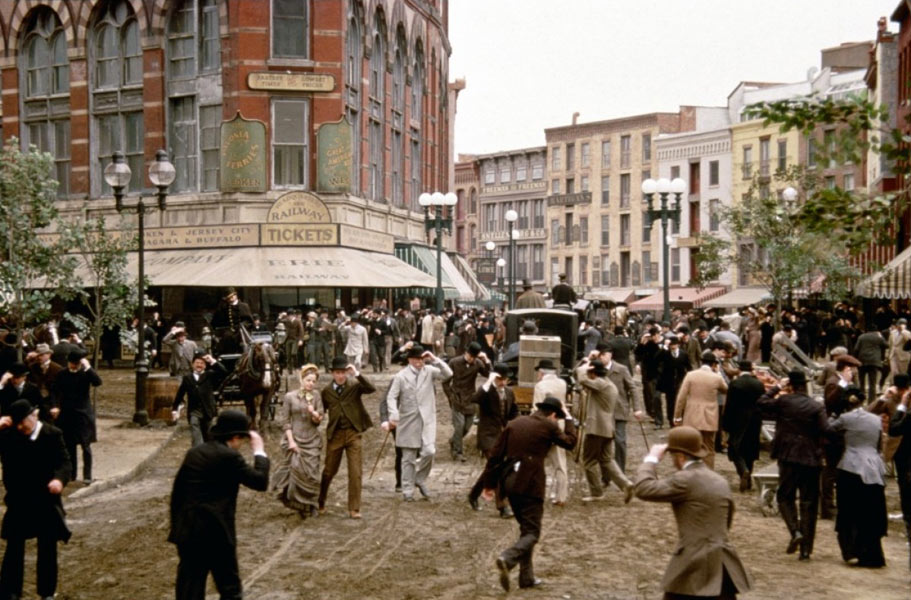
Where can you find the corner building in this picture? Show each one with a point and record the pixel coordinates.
(302, 133)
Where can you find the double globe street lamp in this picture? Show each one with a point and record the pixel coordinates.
(438, 223)
(117, 175)
(664, 187)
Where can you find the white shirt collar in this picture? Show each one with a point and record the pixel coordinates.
(692, 461)
(37, 430)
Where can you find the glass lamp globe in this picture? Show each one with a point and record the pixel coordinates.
(491, 246)
(161, 171)
(663, 185)
(678, 186)
(117, 174)
(424, 199)
(649, 186)
(450, 199)
(511, 215)
(437, 198)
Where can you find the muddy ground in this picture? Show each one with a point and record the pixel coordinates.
(436, 549)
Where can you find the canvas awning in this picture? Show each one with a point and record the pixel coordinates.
(744, 296)
(611, 294)
(893, 281)
(274, 267)
(688, 297)
(481, 293)
(425, 260)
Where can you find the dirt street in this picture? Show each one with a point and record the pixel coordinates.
(437, 549)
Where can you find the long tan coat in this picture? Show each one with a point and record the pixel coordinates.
(697, 400)
(703, 508)
(601, 403)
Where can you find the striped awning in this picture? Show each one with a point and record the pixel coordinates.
(424, 258)
(893, 281)
(688, 297)
(744, 296)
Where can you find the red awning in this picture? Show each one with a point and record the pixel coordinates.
(689, 297)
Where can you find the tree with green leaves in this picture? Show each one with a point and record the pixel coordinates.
(34, 268)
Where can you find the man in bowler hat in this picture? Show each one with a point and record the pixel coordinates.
(203, 504)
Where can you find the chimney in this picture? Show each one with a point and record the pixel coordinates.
(881, 25)
(575, 117)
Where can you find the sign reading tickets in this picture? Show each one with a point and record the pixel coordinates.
(299, 234)
(333, 156)
(291, 82)
(298, 207)
(243, 155)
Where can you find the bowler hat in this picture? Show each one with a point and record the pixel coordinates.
(474, 348)
(562, 276)
(231, 423)
(797, 378)
(901, 380)
(199, 354)
(529, 327)
(687, 440)
(745, 366)
(902, 321)
(20, 409)
(602, 348)
(416, 351)
(597, 367)
(18, 369)
(42, 349)
(551, 404)
(180, 324)
(502, 370)
(708, 358)
(546, 363)
(339, 363)
(75, 357)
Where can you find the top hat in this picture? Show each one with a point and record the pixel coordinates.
(416, 351)
(339, 363)
(474, 348)
(546, 363)
(231, 423)
(796, 378)
(526, 284)
(551, 404)
(502, 370)
(597, 367)
(20, 409)
(687, 440)
(42, 349)
(18, 369)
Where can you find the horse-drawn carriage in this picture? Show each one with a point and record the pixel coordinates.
(254, 376)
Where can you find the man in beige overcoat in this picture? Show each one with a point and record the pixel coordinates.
(550, 384)
(697, 402)
(704, 563)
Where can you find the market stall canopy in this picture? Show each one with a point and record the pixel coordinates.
(744, 296)
(688, 297)
(274, 267)
(611, 295)
(893, 281)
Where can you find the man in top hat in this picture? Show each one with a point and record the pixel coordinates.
(197, 389)
(800, 427)
(529, 297)
(563, 293)
(203, 504)
(550, 384)
(35, 470)
(697, 402)
(42, 372)
(742, 421)
(348, 419)
(600, 400)
(14, 385)
(497, 405)
(705, 564)
(77, 417)
(523, 481)
(182, 350)
(412, 411)
(229, 316)
(460, 389)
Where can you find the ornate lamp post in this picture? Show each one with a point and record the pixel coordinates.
(664, 187)
(117, 175)
(501, 263)
(511, 216)
(438, 223)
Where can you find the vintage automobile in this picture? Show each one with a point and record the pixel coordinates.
(556, 338)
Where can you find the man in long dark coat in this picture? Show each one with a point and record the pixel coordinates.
(229, 315)
(14, 386)
(77, 417)
(742, 421)
(35, 469)
(203, 504)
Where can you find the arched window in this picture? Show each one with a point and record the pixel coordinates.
(45, 70)
(194, 94)
(353, 94)
(417, 96)
(116, 64)
(398, 119)
(376, 137)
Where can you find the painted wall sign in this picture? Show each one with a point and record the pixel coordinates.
(243, 155)
(333, 157)
(298, 207)
(299, 234)
(365, 239)
(204, 236)
(291, 82)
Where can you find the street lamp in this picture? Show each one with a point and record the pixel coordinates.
(501, 262)
(438, 200)
(511, 217)
(664, 187)
(117, 175)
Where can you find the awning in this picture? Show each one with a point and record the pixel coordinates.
(611, 295)
(689, 297)
(274, 267)
(425, 260)
(480, 292)
(744, 296)
(893, 281)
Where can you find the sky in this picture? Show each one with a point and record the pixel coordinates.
(529, 64)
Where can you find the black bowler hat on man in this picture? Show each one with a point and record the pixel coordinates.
(20, 409)
(75, 357)
(231, 423)
(797, 378)
(416, 351)
(502, 370)
(18, 369)
(546, 363)
(598, 368)
(339, 363)
(474, 348)
(551, 405)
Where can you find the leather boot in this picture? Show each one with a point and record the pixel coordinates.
(807, 528)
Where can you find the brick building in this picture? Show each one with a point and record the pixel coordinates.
(349, 102)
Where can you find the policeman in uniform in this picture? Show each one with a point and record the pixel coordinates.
(229, 316)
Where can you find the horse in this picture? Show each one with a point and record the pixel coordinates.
(257, 372)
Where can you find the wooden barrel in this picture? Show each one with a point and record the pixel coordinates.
(160, 392)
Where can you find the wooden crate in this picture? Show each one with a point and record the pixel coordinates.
(160, 393)
(532, 349)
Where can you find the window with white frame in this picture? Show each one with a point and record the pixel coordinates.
(290, 142)
(290, 28)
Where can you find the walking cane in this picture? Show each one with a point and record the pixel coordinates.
(379, 454)
(644, 437)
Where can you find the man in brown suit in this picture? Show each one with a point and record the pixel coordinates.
(697, 402)
(42, 372)
(705, 564)
(598, 449)
(529, 298)
(523, 481)
(630, 400)
(348, 419)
